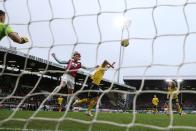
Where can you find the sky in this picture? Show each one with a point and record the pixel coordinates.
(161, 33)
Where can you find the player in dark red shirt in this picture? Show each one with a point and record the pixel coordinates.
(68, 78)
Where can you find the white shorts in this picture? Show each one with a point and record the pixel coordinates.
(69, 80)
(165, 109)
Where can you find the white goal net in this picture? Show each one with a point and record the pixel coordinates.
(161, 34)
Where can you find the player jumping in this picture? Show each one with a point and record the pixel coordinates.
(96, 78)
(68, 78)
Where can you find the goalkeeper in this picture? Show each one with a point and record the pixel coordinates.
(6, 30)
(96, 79)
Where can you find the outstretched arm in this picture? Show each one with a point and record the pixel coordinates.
(16, 38)
(59, 61)
(89, 68)
(109, 65)
(105, 63)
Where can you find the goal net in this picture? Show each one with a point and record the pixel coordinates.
(161, 36)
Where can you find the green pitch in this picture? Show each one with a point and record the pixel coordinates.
(78, 121)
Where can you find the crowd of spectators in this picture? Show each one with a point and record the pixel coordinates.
(32, 102)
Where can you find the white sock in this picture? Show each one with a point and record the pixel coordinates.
(68, 98)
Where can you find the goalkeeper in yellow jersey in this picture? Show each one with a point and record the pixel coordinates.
(155, 102)
(60, 102)
(95, 82)
(6, 30)
(173, 95)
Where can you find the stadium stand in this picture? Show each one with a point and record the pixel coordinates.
(187, 99)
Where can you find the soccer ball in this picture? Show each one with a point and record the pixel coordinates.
(125, 42)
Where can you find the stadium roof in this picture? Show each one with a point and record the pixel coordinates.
(160, 82)
(160, 77)
(30, 64)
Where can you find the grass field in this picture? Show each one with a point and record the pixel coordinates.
(70, 122)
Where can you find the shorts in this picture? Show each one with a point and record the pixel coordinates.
(155, 106)
(59, 104)
(69, 80)
(174, 101)
(93, 88)
(165, 109)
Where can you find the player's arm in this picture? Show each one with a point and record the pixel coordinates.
(89, 68)
(110, 65)
(107, 64)
(16, 38)
(59, 61)
(14, 35)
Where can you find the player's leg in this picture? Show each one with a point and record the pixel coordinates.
(165, 110)
(91, 105)
(155, 110)
(173, 102)
(178, 107)
(70, 86)
(94, 98)
(58, 88)
(168, 108)
(70, 93)
(62, 84)
(82, 101)
(85, 100)
(60, 107)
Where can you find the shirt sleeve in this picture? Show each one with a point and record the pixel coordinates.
(8, 30)
(69, 64)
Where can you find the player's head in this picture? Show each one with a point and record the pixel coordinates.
(104, 64)
(2, 16)
(76, 56)
(171, 84)
(155, 96)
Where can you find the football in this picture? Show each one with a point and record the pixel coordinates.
(125, 42)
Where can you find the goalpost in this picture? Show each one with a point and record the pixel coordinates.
(161, 36)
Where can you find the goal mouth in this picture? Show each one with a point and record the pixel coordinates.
(149, 43)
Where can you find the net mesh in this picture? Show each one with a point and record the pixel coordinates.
(47, 30)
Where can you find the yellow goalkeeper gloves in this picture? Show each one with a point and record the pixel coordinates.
(24, 40)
